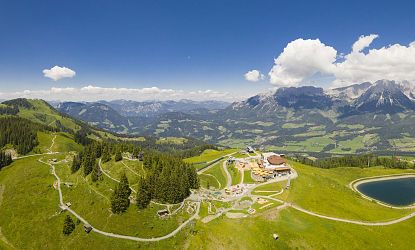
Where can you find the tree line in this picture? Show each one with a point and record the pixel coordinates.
(168, 179)
(21, 133)
(5, 159)
(360, 161)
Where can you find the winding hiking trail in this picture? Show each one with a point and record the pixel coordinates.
(63, 206)
(211, 175)
(109, 176)
(242, 176)
(197, 202)
(228, 175)
(214, 164)
(132, 171)
(32, 155)
(51, 146)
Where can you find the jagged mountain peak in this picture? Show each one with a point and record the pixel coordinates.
(304, 97)
(351, 92)
(384, 96)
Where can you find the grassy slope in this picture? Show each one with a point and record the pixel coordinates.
(209, 155)
(326, 191)
(298, 231)
(219, 173)
(115, 169)
(63, 143)
(43, 114)
(29, 218)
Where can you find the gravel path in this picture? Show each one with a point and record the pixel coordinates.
(63, 206)
(109, 176)
(228, 175)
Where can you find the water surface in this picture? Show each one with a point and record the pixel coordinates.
(397, 192)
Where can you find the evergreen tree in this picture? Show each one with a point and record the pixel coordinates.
(106, 157)
(96, 173)
(76, 163)
(118, 156)
(143, 195)
(68, 225)
(5, 159)
(21, 133)
(120, 200)
(88, 162)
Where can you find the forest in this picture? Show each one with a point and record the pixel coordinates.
(21, 133)
(360, 161)
(5, 159)
(168, 178)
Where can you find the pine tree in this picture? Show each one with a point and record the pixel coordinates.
(106, 157)
(76, 163)
(68, 225)
(120, 200)
(5, 159)
(96, 173)
(118, 156)
(88, 163)
(143, 195)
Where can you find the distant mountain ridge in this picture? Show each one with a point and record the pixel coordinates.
(383, 96)
(362, 117)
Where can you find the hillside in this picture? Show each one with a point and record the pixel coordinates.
(187, 227)
(366, 117)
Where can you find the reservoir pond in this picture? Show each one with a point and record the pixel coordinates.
(396, 192)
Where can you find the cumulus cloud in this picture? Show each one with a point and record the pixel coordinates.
(254, 76)
(393, 62)
(95, 93)
(363, 42)
(302, 59)
(56, 73)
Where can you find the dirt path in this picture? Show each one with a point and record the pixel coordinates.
(228, 175)
(386, 223)
(132, 171)
(119, 236)
(242, 176)
(109, 176)
(51, 146)
(222, 157)
(220, 185)
(363, 223)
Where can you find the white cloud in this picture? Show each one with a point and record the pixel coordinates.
(303, 59)
(363, 42)
(254, 76)
(394, 62)
(95, 93)
(56, 73)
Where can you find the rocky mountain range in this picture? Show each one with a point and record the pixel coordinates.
(359, 117)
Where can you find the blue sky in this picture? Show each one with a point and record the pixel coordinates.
(180, 45)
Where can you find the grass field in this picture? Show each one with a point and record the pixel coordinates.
(133, 169)
(326, 191)
(235, 174)
(172, 140)
(44, 115)
(30, 217)
(247, 178)
(209, 155)
(218, 172)
(63, 143)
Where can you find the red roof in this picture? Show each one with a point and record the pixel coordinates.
(276, 160)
